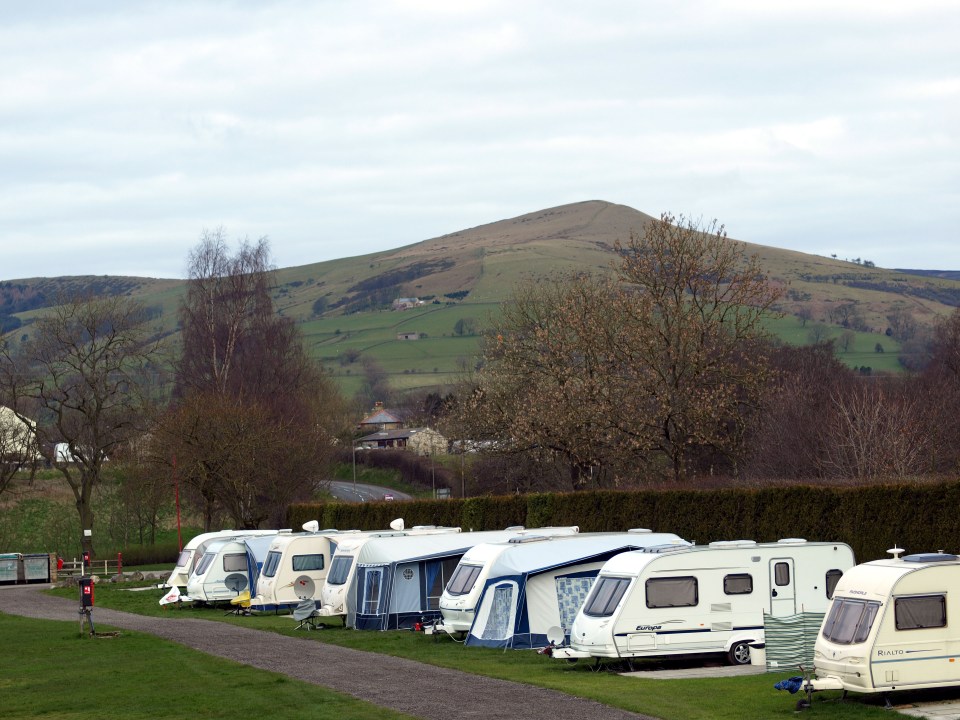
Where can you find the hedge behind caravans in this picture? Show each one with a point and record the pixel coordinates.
(920, 518)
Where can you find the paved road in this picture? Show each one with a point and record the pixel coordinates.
(345, 490)
(410, 687)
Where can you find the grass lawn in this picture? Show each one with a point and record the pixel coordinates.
(690, 699)
(48, 670)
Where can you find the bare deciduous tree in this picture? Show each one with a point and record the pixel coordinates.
(665, 360)
(256, 418)
(87, 371)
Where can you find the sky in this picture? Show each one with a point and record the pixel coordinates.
(340, 128)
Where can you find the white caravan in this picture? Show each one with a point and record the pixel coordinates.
(509, 594)
(890, 628)
(384, 583)
(228, 567)
(702, 599)
(296, 565)
(194, 549)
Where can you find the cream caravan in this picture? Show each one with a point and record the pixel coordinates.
(296, 566)
(889, 627)
(194, 549)
(228, 567)
(702, 599)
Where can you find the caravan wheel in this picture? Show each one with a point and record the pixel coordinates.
(739, 654)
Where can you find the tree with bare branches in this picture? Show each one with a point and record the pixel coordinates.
(256, 419)
(660, 364)
(89, 372)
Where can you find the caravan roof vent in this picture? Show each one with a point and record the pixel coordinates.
(640, 531)
(663, 548)
(791, 541)
(732, 543)
(930, 558)
(516, 527)
(527, 539)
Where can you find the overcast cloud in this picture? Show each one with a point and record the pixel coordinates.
(342, 128)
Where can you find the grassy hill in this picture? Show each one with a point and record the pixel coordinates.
(344, 305)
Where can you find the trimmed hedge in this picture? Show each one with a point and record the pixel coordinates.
(919, 518)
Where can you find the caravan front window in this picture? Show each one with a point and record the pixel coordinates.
(271, 564)
(921, 611)
(463, 579)
(205, 562)
(849, 621)
(606, 596)
(672, 592)
(339, 570)
(184, 558)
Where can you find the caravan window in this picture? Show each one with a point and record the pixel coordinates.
(339, 570)
(235, 562)
(205, 562)
(184, 558)
(271, 564)
(605, 596)
(672, 592)
(781, 573)
(926, 611)
(849, 621)
(435, 579)
(302, 563)
(737, 584)
(833, 577)
(463, 579)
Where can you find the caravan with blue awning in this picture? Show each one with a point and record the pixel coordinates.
(398, 581)
(296, 565)
(508, 594)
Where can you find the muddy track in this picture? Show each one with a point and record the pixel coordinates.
(407, 686)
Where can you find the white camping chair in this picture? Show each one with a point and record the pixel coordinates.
(305, 613)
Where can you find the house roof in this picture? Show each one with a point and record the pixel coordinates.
(398, 434)
(383, 416)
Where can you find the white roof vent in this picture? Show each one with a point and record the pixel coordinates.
(640, 531)
(791, 541)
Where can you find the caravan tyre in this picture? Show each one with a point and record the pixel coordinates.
(739, 653)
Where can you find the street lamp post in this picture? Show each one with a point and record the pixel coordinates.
(354, 446)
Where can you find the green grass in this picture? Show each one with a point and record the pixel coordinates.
(690, 699)
(49, 670)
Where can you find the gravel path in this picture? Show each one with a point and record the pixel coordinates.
(410, 687)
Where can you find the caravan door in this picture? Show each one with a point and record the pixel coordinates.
(782, 587)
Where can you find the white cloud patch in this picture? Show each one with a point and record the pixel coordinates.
(341, 128)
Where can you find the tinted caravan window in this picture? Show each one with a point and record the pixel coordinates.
(672, 592)
(915, 613)
(738, 584)
(849, 621)
(463, 579)
(606, 596)
(339, 570)
(302, 563)
(833, 577)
